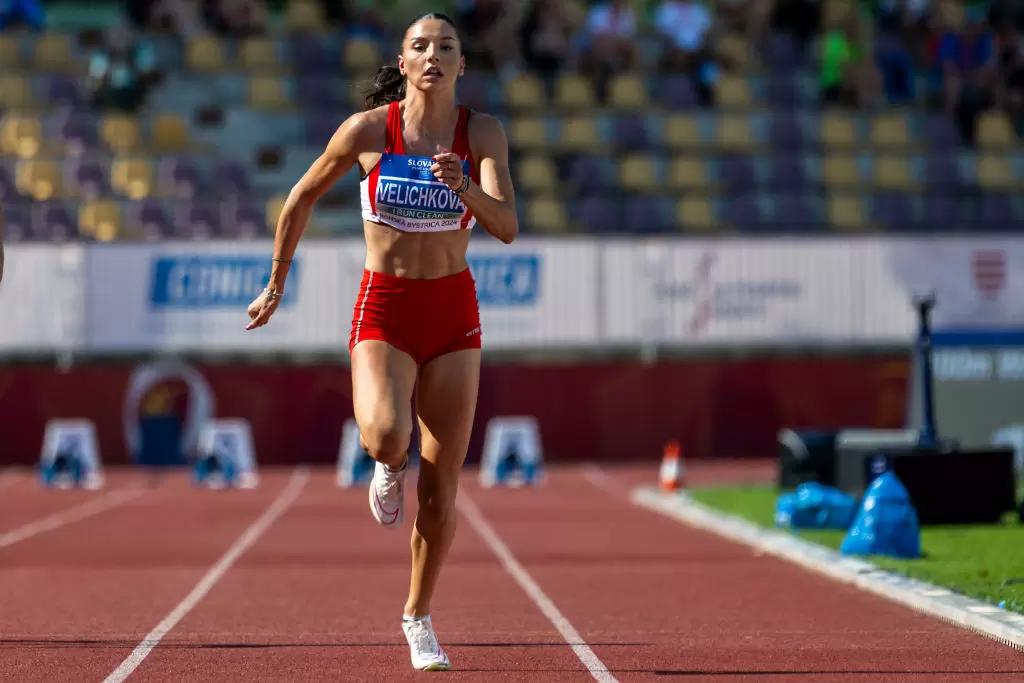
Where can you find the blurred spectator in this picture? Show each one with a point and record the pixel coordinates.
(121, 73)
(607, 41)
(749, 17)
(546, 36)
(848, 76)
(969, 71)
(800, 18)
(177, 17)
(489, 34)
(236, 18)
(686, 26)
(1010, 84)
(28, 13)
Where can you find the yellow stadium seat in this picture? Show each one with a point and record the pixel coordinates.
(170, 133)
(840, 170)
(204, 54)
(305, 16)
(733, 92)
(835, 11)
(637, 173)
(995, 131)
(53, 53)
(267, 92)
(627, 91)
(101, 219)
(846, 212)
(39, 180)
(573, 91)
(361, 55)
(682, 131)
(893, 173)
(579, 133)
(952, 13)
(547, 214)
(890, 131)
(120, 132)
(838, 131)
(735, 51)
(259, 54)
(15, 92)
(132, 178)
(528, 132)
(10, 51)
(525, 91)
(996, 173)
(21, 136)
(688, 173)
(734, 133)
(695, 214)
(273, 210)
(537, 174)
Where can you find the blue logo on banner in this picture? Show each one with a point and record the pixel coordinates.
(512, 280)
(213, 281)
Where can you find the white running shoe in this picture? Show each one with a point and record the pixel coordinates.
(387, 495)
(424, 650)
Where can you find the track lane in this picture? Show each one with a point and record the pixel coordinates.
(660, 598)
(320, 598)
(77, 600)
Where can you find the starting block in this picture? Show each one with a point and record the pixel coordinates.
(70, 456)
(512, 453)
(355, 466)
(224, 457)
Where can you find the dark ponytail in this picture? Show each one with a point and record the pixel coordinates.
(388, 84)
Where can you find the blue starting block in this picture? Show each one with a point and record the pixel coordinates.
(70, 456)
(355, 466)
(512, 453)
(224, 457)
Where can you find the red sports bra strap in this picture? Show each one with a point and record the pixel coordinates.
(393, 141)
(460, 145)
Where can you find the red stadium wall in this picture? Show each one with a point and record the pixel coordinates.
(605, 411)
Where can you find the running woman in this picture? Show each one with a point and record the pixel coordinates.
(429, 171)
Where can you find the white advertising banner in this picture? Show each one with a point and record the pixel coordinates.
(692, 292)
(42, 297)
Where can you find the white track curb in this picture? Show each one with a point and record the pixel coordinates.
(982, 617)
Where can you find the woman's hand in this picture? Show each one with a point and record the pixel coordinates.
(262, 308)
(448, 168)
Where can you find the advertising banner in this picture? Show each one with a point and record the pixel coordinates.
(42, 297)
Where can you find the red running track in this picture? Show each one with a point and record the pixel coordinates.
(317, 594)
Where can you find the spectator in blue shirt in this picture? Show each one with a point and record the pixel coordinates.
(28, 13)
(969, 71)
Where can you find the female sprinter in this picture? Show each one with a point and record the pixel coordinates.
(429, 171)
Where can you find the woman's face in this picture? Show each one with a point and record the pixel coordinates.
(431, 56)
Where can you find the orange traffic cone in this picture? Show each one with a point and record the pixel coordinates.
(673, 471)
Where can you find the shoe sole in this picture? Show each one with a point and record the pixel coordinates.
(376, 514)
(436, 667)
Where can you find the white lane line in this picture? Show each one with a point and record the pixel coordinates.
(91, 507)
(572, 638)
(596, 476)
(283, 501)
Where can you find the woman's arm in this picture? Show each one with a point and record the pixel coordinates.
(340, 155)
(493, 201)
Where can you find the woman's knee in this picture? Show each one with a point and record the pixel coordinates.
(386, 438)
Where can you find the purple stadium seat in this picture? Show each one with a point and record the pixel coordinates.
(782, 92)
(474, 91)
(738, 173)
(744, 211)
(318, 91)
(677, 92)
(309, 56)
(245, 219)
(786, 135)
(997, 210)
(787, 173)
(794, 211)
(630, 132)
(79, 133)
(197, 222)
(599, 215)
(941, 133)
(320, 126)
(231, 178)
(942, 172)
(184, 176)
(17, 221)
(943, 210)
(8, 188)
(91, 178)
(54, 221)
(589, 176)
(64, 90)
(153, 221)
(893, 210)
(783, 52)
(645, 215)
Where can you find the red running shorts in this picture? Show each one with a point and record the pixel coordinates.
(423, 318)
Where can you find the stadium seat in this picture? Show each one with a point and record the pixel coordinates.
(259, 55)
(267, 93)
(52, 53)
(579, 134)
(628, 92)
(996, 173)
(15, 92)
(733, 92)
(838, 131)
(10, 51)
(890, 131)
(573, 92)
(536, 174)
(132, 178)
(995, 131)
(840, 171)
(170, 134)
(846, 212)
(688, 174)
(361, 55)
(734, 133)
(305, 16)
(893, 173)
(524, 92)
(682, 132)
(695, 214)
(735, 51)
(100, 219)
(528, 133)
(204, 55)
(273, 211)
(21, 136)
(547, 214)
(40, 180)
(639, 173)
(120, 132)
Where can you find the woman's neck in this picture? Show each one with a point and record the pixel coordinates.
(429, 115)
